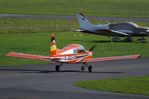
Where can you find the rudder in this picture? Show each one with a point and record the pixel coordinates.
(53, 48)
(84, 23)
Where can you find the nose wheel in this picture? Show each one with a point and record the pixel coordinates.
(90, 68)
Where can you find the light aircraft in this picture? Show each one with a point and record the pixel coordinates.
(71, 54)
(127, 29)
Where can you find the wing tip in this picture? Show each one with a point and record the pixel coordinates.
(10, 54)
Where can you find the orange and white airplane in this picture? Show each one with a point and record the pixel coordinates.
(71, 54)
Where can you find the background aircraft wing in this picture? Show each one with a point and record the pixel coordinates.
(110, 32)
(118, 32)
(28, 56)
(111, 58)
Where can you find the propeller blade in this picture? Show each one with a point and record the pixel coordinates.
(92, 48)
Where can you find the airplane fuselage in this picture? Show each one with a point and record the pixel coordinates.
(73, 58)
(127, 28)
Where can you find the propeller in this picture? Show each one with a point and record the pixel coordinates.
(92, 48)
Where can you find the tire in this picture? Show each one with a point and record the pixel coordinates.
(82, 68)
(90, 68)
(128, 39)
(57, 68)
(116, 39)
(142, 40)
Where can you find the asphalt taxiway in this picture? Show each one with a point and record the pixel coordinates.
(42, 82)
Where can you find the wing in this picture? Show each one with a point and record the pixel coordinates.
(118, 32)
(28, 56)
(111, 58)
(111, 32)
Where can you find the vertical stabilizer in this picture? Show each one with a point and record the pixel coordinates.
(53, 48)
(84, 23)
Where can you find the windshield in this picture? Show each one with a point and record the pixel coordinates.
(81, 49)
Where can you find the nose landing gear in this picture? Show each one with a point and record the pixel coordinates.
(57, 67)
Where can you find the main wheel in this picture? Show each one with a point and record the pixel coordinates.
(128, 39)
(90, 68)
(82, 68)
(57, 68)
(142, 40)
(116, 39)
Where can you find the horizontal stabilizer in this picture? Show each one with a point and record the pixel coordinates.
(28, 56)
(79, 30)
(112, 58)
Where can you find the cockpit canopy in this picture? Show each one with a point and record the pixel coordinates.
(133, 24)
(123, 26)
(79, 49)
(72, 49)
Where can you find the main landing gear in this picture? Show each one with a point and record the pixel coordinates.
(142, 40)
(116, 39)
(57, 67)
(128, 39)
(88, 66)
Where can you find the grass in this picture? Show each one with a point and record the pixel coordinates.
(32, 36)
(121, 8)
(133, 85)
(20, 25)
(38, 43)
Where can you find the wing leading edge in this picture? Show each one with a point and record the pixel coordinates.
(118, 32)
(29, 56)
(47, 58)
(108, 32)
(111, 58)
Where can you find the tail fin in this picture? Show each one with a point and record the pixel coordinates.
(53, 48)
(84, 23)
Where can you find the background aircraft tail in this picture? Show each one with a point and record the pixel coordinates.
(53, 48)
(84, 23)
